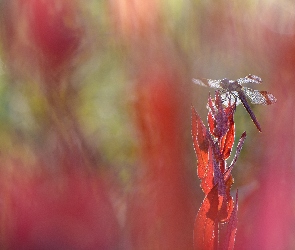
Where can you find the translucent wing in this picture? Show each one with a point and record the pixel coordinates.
(259, 97)
(250, 79)
(214, 83)
(199, 82)
(228, 98)
(208, 83)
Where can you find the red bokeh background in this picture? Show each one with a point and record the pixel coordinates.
(95, 101)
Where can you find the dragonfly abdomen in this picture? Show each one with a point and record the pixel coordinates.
(243, 99)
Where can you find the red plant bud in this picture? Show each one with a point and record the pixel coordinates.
(55, 29)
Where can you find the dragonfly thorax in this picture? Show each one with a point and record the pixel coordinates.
(230, 85)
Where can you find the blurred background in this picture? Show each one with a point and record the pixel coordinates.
(95, 97)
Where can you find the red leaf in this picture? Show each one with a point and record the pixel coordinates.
(228, 240)
(214, 209)
(219, 195)
(201, 141)
(239, 148)
(228, 140)
(228, 201)
(224, 200)
(205, 229)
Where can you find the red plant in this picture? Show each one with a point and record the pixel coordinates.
(55, 30)
(43, 39)
(216, 221)
(159, 211)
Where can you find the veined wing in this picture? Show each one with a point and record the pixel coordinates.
(259, 97)
(250, 79)
(208, 83)
(230, 97)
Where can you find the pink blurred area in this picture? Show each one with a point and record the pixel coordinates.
(60, 212)
(95, 100)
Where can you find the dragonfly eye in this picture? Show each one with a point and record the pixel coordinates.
(225, 80)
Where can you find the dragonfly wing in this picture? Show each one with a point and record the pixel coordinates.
(199, 82)
(229, 98)
(250, 79)
(208, 83)
(214, 83)
(259, 97)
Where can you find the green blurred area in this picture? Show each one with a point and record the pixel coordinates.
(212, 39)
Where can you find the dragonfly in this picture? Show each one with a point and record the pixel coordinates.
(233, 91)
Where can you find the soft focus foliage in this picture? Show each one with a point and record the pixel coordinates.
(95, 97)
